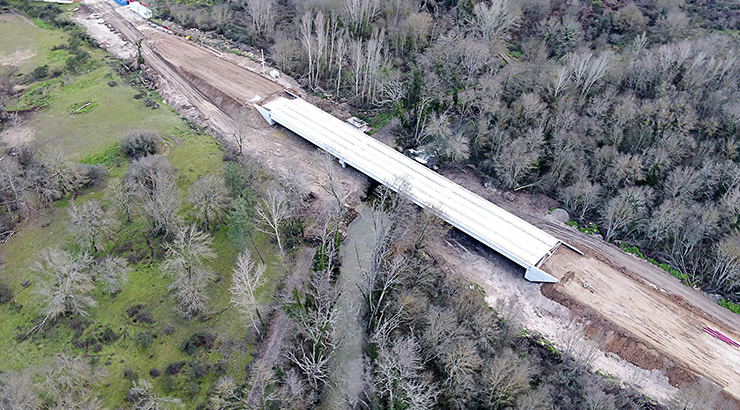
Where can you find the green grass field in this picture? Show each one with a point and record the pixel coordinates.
(25, 44)
(92, 137)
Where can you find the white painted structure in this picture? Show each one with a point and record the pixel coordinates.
(507, 234)
(140, 9)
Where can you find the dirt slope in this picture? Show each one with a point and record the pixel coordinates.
(642, 314)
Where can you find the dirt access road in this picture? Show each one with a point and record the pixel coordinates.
(634, 309)
(644, 315)
(212, 89)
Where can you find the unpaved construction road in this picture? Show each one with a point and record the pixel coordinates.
(639, 312)
(636, 310)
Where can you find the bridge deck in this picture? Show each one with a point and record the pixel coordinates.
(509, 235)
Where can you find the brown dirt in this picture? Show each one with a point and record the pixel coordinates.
(645, 316)
(199, 66)
(16, 136)
(646, 325)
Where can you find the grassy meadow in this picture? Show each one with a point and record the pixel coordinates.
(111, 335)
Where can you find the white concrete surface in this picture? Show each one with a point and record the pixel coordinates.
(507, 234)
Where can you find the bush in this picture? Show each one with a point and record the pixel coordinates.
(220, 368)
(137, 144)
(154, 372)
(237, 33)
(729, 305)
(94, 173)
(169, 329)
(40, 71)
(144, 339)
(108, 335)
(192, 389)
(196, 340)
(6, 294)
(129, 374)
(174, 368)
(197, 369)
(139, 314)
(168, 383)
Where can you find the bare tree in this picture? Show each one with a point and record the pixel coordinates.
(91, 224)
(247, 277)
(587, 71)
(725, 272)
(186, 263)
(621, 211)
(246, 120)
(121, 196)
(398, 378)
(387, 268)
(144, 398)
(262, 13)
(581, 197)
(306, 37)
(418, 28)
(152, 180)
(505, 377)
(702, 394)
(518, 159)
(494, 22)
(538, 399)
(360, 13)
(315, 315)
(222, 14)
(209, 199)
(13, 187)
(272, 211)
(65, 284)
(112, 272)
(68, 383)
(461, 362)
(227, 395)
(17, 391)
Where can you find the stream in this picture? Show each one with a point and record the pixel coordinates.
(345, 381)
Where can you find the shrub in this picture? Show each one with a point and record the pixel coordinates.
(220, 368)
(139, 314)
(144, 339)
(168, 383)
(154, 372)
(196, 340)
(734, 307)
(137, 144)
(129, 374)
(40, 71)
(6, 294)
(192, 389)
(108, 335)
(94, 173)
(197, 369)
(169, 329)
(174, 368)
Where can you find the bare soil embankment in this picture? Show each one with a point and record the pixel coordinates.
(636, 310)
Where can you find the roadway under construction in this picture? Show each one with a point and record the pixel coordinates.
(518, 240)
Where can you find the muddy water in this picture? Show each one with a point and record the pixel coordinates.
(345, 381)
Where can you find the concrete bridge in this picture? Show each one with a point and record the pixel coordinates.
(518, 240)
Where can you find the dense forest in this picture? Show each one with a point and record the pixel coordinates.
(626, 112)
(171, 277)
